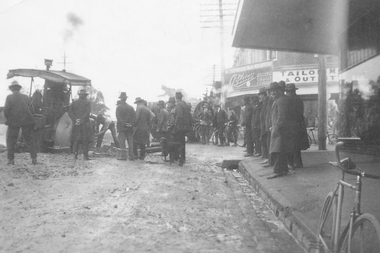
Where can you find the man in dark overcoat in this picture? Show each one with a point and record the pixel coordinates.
(268, 124)
(232, 129)
(82, 132)
(248, 125)
(256, 126)
(263, 126)
(219, 122)
(297, 108)
(141, 129)
(126, 119)
(18, 112)
(181, 122)
(281, 144)
(163, 119)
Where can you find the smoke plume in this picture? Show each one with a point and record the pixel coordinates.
(74, 22)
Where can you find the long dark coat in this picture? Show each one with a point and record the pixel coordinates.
(296, 105)
(18, 110)
(142, 126)
(282, 139)
(125, 114)
(81, 109)
(182, 117)
(263, 113)
(220, 118)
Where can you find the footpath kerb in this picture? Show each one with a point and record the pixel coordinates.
(297, 198)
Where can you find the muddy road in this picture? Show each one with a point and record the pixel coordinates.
(106, 205)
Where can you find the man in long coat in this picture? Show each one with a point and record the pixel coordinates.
(181, 122)
(163, 119)
(220, 120)
(248, 125)
(263, 126)
(256, 126)
(126, 119)
(205, 124)
(281, 144)
(18, 112)
(295, 160)
(82, 133)
(141, 129)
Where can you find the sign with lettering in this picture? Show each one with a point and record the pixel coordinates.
(305, 75)
(249, 79)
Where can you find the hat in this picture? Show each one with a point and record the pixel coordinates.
(290, 86)
(282, 85)
(274, 86)
(138, 100)
(178, 95)
(171, 100)
(161, 102)
(262, 90)
(14, 84)
(82, 92)
(123, 95)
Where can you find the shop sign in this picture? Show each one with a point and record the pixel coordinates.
(305, 75)
(250, 79)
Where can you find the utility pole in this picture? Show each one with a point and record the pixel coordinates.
(64, 61)
(322, 103)
(222, 98)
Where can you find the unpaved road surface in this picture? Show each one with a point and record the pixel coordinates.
(106, 205)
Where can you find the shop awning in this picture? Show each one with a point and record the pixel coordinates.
(51, 75)
(312, 26)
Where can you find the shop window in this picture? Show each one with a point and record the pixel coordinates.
(363, 41)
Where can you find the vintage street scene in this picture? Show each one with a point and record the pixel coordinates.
(190, 126)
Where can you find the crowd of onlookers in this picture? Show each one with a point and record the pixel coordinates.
(274, 124)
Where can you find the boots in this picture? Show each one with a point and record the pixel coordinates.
(122, 155)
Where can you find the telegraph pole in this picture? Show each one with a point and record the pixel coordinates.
(222, 98)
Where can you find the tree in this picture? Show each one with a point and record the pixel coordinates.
(97, 101)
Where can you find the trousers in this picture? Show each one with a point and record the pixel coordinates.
(12, 135)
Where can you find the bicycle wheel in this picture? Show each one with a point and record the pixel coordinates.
(214, 139)
(327, 221)
(365, 236)
(240, 137)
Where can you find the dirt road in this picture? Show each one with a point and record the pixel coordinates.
(106, 205)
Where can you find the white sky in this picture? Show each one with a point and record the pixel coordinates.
(121, 45)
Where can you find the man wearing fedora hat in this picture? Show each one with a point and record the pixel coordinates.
(126, 120)
(264, 130)
(300, 136)
(180, 122)
(205, 116)
(163, 119)
(141, 131)
(82, 133)
(18, 112)
(281, 144)
(247, 124)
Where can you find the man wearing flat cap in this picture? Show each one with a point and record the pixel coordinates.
(18, 112)
(181, 122)
(300, 136)
(126, 119)
(281, 144)
(82, 132)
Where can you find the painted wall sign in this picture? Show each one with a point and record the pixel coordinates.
(249, 79)
(305, 75)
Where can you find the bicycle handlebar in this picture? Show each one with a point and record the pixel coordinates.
(346, 165)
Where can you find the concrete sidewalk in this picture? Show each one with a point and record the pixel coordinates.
(297, 198)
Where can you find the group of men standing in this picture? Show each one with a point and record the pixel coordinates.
(274, 126)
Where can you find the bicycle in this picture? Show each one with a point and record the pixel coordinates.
(331, 137)
(362, 233)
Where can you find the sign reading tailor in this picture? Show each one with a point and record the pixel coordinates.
(250, 79)
(305, 75)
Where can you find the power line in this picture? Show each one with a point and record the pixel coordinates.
(10, 7)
